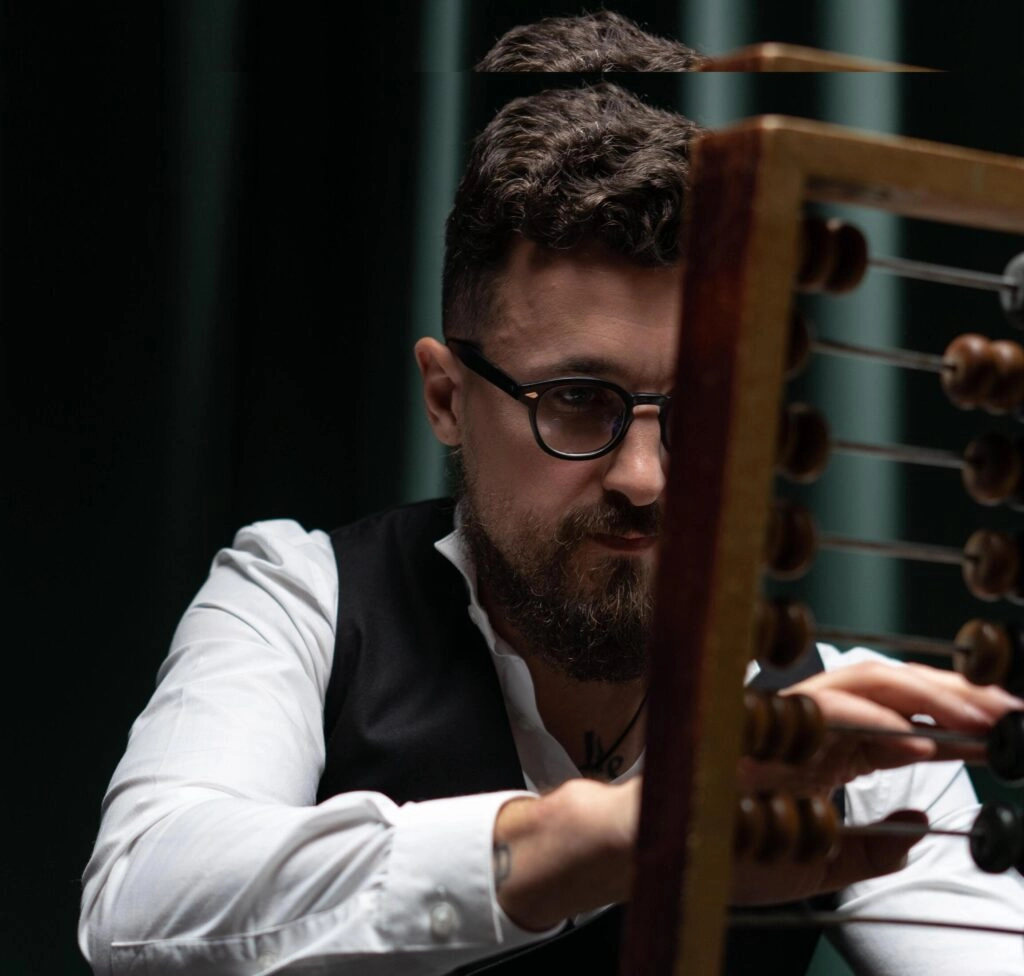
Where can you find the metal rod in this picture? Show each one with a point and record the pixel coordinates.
(799, 920)
(895, 642)
(922, 732)
(918, 551)
(927, 361)
(908, 454)
(895, 829)
(924, 271)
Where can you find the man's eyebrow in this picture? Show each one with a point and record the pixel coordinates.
(577, 365)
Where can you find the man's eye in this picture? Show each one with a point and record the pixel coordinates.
(577, 397)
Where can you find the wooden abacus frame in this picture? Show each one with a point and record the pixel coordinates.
(742, 245)
(772, 56)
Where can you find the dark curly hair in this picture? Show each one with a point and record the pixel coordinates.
(594, 42)
(560, 169)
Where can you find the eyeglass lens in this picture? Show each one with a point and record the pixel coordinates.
(579, 419)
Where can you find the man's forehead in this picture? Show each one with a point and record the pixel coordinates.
(586, 304)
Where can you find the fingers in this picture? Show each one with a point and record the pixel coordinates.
(861, 857)
(914, 689)
(857, 858)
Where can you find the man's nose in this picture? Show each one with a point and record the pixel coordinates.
(638, 466)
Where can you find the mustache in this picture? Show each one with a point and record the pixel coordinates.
(610, 517)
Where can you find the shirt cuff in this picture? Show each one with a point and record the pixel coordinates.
(440, 889)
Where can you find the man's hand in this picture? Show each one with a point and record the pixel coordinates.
(572, 850)
(868, 695)
(856, 858)
(879, 695)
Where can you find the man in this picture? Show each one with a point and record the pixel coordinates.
(436, 680)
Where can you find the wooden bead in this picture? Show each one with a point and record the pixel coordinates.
(765, 616)
(787, 632)
(782, 822)
(808, 724)
(818, 255)
(781, 728)
(794, 632)
(751, 827)
(993, 470)
(785, 730)
(792, 540)
(983, 652)
(1005, 751)
(819, 829)
(991, 564)
(770, 728)
(968, 370)
(758, 719)
(798, 349)
(851, 257)
(997, 837)
(1007, 390)
(804, 443)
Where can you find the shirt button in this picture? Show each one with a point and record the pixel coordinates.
(266, 960)
(442, 920)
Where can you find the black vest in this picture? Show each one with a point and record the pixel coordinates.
(414, 710)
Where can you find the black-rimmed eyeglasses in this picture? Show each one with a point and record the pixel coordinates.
(577, 418)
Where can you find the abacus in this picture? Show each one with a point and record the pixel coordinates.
(750, 246)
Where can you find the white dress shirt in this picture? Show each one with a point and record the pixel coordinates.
(213, 859)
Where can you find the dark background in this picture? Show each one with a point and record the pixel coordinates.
(206, 250)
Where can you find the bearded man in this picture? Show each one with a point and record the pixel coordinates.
(415, 743)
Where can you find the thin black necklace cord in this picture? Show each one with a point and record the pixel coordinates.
(610, 751)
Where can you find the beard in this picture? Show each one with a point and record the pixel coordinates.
(590, 618)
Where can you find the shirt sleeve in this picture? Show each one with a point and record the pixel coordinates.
(212, 857)
(939, 883)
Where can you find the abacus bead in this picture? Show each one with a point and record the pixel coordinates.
(819, 828)
(793, 625)
(991, 564)
(792, 540)
(798, 349)
(785, 729)
(804, 448)
(818, 255)
(782, 822)
(968, 370)
(750, 829)
(809, 728)
(983, 652)
(757, 726)
(851, 262)
(997, 837)
(765, 629)
(1005, 750)
(992, 474)
(1007, 391)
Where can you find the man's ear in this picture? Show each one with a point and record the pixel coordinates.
(441, 390)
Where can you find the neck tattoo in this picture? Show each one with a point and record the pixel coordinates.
(605, 761)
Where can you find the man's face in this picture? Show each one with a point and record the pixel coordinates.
(565, 550)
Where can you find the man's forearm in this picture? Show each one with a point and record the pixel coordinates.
(564, 853)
